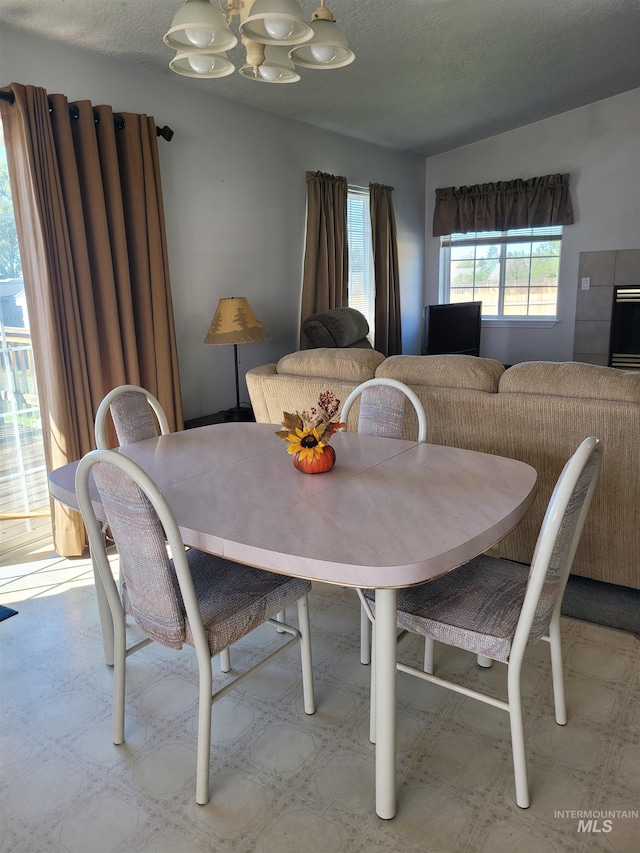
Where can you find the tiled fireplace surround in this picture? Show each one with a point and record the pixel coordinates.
(593, 306)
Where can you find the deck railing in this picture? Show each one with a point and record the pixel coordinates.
(24, 495)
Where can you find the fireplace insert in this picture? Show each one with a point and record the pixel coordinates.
(624, 343)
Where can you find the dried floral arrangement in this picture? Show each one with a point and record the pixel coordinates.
(308, 433)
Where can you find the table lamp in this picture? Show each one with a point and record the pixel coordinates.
(235, 323)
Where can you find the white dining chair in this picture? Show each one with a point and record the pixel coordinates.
(194, 598)
(382, 413)
(136, 415)
(498, 609)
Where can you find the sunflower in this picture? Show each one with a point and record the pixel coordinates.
(306, 442)
(308, 433)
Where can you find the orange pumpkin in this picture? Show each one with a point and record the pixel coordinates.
(318, 464)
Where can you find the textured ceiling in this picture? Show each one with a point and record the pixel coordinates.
(429, 75)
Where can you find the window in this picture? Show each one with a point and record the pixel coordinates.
(513, 273)
(362, 287)
(24, 490)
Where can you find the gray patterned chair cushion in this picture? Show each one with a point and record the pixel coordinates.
(133, 418)
(382, 411)
(561, 557)
(477, 606)
(233, 599)
(150, 586)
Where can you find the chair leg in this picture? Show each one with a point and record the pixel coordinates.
(372, 700)
(557, 672)
(119, 677)
(225, 660)
(484, 662)
(104, 613)
(305, 655)
(429, 648)
(517, 738)
(203, 760)
(365, 637)
(281, 617)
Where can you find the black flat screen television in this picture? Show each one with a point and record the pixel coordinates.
(452, 328)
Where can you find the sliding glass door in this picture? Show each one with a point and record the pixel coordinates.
(24, 495)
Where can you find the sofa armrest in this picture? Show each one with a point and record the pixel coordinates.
(257, 379)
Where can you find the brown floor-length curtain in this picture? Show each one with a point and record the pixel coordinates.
(326, 256)
(89, 215)
(502, 206)
(388, 330)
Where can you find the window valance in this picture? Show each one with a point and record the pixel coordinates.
(502, 206)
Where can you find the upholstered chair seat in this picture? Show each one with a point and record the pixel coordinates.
(476, 607)
(233, 600)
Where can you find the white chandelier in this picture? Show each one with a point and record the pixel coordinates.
(274, 33)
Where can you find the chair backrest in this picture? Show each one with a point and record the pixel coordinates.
(382, 407)
(139, 518)
(557, 542)
(132, 411)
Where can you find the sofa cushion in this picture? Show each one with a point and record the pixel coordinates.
(571, 379)
(351, 365)
(444, 371)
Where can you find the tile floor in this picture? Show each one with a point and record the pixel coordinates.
(282, 781)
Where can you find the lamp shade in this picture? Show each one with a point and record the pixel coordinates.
(197, 25)
(276, 22)
(235, 323)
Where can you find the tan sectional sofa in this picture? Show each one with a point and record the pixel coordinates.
(534, 411)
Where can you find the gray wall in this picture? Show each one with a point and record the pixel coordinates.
(235, 197)
(599, 146)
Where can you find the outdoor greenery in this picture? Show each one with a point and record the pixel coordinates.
(10, 266)
(361, 277)
(539, 260)
(17, 378)
(527, 272)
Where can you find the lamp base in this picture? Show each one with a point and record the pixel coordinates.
(239, 413)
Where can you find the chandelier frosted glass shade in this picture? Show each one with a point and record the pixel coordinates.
(198, 26)
(201, 63)
(278, 22)
(276, 67)
(275, 37)
(327, 49)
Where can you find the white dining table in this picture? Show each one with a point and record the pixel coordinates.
(390, 514)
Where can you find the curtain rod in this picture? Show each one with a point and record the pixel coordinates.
(165, 132)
